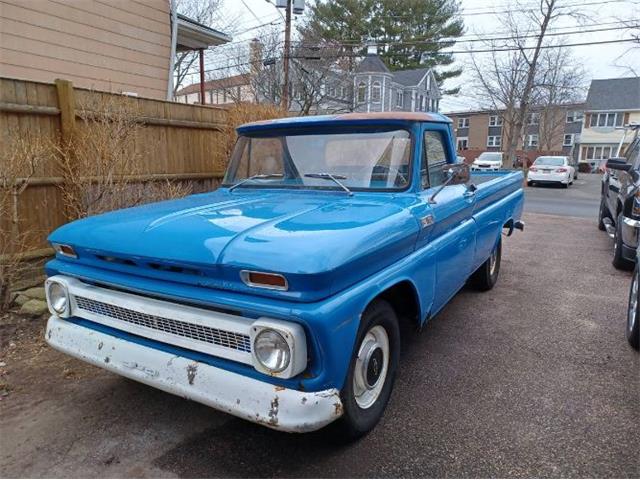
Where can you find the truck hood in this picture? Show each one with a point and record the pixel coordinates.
(321, 241)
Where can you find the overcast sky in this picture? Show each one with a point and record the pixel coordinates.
(599, 60)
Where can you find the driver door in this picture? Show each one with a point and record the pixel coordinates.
(452, 232)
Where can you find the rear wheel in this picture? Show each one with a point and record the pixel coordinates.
(372, 371)
(530, 183)
(633, 324)
(486, 276)
(619, 261)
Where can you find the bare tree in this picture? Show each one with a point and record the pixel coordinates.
(512, 81)
(207, 12)
(560, 82)
(319, 81)
(628, 60)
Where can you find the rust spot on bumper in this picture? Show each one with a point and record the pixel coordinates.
(192, 370)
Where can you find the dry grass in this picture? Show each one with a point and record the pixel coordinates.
(104, 156)
(20, 158)
(241, 113)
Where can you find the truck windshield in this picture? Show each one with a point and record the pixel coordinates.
(362, 160)
(550, 161)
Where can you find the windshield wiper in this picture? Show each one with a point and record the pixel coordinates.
(259, 176)
(334, 178)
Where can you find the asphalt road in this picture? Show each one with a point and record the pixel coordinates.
(582, 199)
(531, 379)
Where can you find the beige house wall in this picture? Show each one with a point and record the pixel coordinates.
(108, 45)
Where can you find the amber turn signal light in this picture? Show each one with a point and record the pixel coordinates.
(66, 250)
(274, 281)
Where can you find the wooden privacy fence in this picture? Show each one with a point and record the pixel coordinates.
(179, 142)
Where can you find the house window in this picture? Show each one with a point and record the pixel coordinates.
(375, 92)
(568, 140)
(606, 119)
(494, 140)
(400, 98)
(463, 122)
(343, 92)
(463, 143)
(532, 140)
(362, 92)
(574, 116)
(533, 118)
(495, 121)
(599, 152)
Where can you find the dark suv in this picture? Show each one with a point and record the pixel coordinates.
(620, 203)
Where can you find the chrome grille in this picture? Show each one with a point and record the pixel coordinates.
(215, 336)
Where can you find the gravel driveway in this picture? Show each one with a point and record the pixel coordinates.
(532, 379)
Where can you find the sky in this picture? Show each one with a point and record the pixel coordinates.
(480, 17)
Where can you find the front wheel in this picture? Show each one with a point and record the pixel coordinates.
(633, 325)
(372, 371)
(486, 276)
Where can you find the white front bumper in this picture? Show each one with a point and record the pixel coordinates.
(260, 402)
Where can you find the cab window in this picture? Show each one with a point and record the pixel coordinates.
(434, 159)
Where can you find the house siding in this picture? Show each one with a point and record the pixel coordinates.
(117, 46)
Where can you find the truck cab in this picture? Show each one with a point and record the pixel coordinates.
(278, 297)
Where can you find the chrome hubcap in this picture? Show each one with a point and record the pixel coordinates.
(633, 304)
(371, 367)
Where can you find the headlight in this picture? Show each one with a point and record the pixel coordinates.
(57, 297)
(272, 350)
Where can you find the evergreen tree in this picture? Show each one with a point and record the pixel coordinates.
(410, 33)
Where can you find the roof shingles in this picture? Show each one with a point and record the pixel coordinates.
(614, 94)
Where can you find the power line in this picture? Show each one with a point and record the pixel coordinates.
(455, 52)
(473, 40)
(479, 36)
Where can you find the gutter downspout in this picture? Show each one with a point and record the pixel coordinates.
(174, 40)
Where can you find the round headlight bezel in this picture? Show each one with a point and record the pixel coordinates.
(260, 343)
(58, 297)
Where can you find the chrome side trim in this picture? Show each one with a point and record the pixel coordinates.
(631, 222)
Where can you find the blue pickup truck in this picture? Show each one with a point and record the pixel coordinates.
(279, 296)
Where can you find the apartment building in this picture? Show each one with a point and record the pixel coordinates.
(611, 105)
(554, 129)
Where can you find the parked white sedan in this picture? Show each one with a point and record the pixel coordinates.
(551, 170)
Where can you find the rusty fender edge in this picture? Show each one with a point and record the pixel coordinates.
(275, 407)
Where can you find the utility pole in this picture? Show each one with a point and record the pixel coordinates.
(287, 46)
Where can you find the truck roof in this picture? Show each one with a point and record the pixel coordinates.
(344, 118)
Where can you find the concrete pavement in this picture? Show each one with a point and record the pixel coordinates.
(582, 199)
(531, 379)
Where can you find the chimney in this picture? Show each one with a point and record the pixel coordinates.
(255, 56)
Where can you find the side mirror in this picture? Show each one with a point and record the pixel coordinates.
(457, 173)
(619, 164)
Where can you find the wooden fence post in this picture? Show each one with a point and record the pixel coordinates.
(67, 106)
